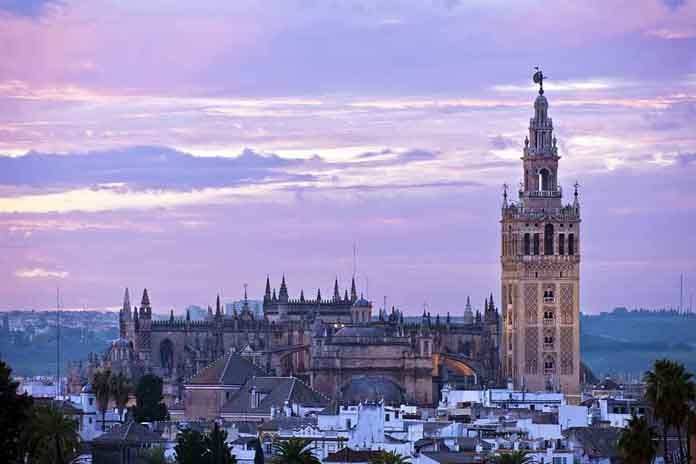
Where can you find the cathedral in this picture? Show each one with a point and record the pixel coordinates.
(341, 349)
(334, 344)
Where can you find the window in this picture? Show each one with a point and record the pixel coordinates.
(571, 244)
(548, 239)
(536, 244)
(548, 317)
(386, 418)
(544, 179)
(91, 401)
(548, 340)
(548, 296)
(348, 423)
(561, 244)
(526, 245)
(548, 366)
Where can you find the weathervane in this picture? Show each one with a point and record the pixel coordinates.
(538, 78)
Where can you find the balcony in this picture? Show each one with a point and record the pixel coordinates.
(558, 193)
(548, 346)
(549, 321)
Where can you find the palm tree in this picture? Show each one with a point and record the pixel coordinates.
(636, 441)
(514, 457)
(101, 384)
(294, 451)
(390, 457)
(120, 392)
(669, 390)
(52, 437)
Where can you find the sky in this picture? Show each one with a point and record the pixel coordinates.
(194, 147)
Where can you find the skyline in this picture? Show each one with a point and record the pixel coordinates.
(194, 155)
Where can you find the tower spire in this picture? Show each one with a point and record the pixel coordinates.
(126, 309)
(337, 294)
(283, 292)
(267, 294)
(353, 291)
(145, 302)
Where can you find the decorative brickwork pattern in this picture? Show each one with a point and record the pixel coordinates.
(531, 303)
(531, 350)
(566, 350)
(566, 302)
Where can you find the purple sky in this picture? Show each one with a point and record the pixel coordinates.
(192, 149)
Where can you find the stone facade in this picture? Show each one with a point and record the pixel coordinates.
(540, 259)
(302, 338)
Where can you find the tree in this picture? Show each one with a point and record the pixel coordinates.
(15, 411)
(148, 400)
(189, 447)
(154, 456)
(101, 384)
(669, 390)
(258, 453)
(514, 457)
(636, 442)
(120, 392)
(294, 451)
(390, 457)
(51, 436)
(216, 449)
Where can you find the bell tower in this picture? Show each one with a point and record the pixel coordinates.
(540, 279)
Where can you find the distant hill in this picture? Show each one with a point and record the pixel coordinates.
(628, 342)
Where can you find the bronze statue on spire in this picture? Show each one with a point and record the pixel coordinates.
(538, 78)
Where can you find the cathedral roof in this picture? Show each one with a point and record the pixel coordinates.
(358, 331)
(131, 432)
(229, 369)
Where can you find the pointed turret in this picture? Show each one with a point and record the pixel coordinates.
(274, 298)
(267, 294)
(345, 295)
(318, 295)
(171, 315)
(337, 294)
(217, 306)
(448, 318)
(353, 291)
(283, 293)
(468, 313)
(302, 295)
(126, 310)
(145, 302)
(188, 315)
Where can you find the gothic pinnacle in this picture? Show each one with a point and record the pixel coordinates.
(353, 291)
(146, 299)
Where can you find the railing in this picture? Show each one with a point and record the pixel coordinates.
(546, 193)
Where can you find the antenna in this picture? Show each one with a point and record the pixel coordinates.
(58, 389)
(355, 260)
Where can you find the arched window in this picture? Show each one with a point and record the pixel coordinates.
(548, 239)
(167, 354)
(536, 244)
(561, 244)
(549, 365)
(544, 179)
(527, 245)
(571, 244)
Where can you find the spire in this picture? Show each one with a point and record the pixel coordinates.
(146, 300)
(171, 315)
(353, 291)
(274, 298)
(283, 293)
(345, 295)
(188, 314)
(126, 305)
(576, 202)
(468, 313)
(490, 303)
(217, 305)
(267, 294)
(318, 295)
(448, 318)
(337, 294)
(302, 296)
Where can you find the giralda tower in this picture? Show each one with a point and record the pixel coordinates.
(540, 258)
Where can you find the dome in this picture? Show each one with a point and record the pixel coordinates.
(359, 332)
(361, 303)
(87, 389)
(371, 388)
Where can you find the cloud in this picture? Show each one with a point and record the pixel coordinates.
(146, 167)
(40, 273)
(31, 8)
(672, 34)
(674, 4)
(500, 142)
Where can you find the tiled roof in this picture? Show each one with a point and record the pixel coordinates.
(288, 423)
(229, 369)
(130, 432)
(273, 391)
